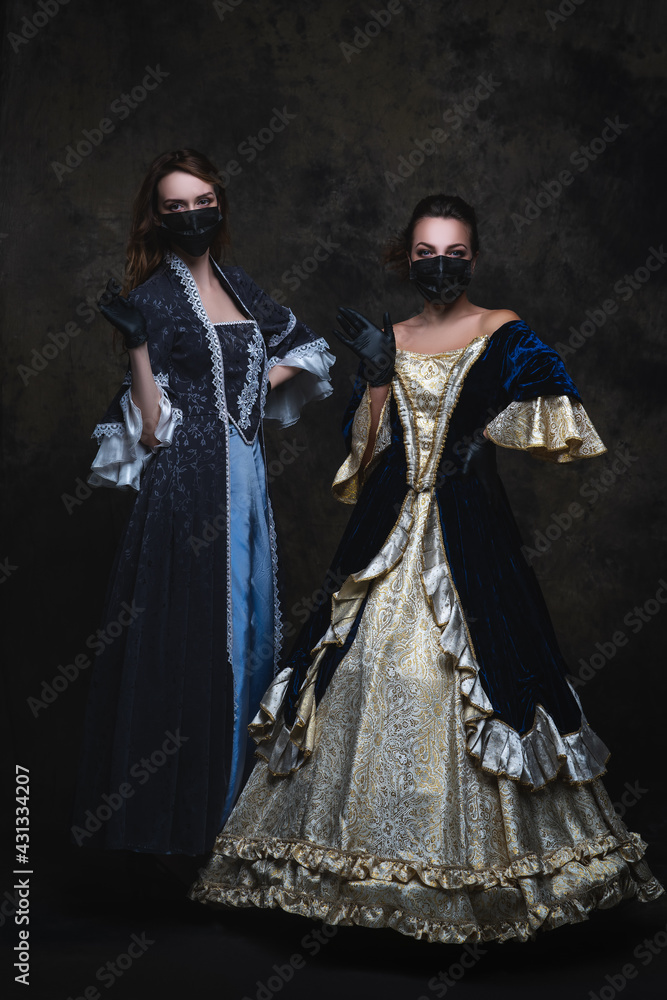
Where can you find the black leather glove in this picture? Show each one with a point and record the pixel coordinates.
(480, 460)
(125, 317)
(375, 347)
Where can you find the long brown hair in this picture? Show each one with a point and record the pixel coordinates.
(147, 243)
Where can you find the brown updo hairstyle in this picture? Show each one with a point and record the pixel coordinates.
(147, 243)
(396, 255)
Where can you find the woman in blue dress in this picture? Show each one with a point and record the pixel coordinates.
(425, 763)
(193, 593)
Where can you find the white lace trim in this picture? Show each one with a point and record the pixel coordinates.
(278, 337)
(218, 374)
(177, 415)
(264, 390)
(115, 429)
(217, 365)
(312, 347)
(248, 395)
(233, 322)
(277, 610)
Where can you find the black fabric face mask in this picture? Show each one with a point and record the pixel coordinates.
(440, 278)
(193, 231)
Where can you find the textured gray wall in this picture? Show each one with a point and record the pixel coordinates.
(499, 97)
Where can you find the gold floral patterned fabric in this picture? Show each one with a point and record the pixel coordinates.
(392, 803)
(350, 477)
(390, 823)
(425, 388)
(555, 428)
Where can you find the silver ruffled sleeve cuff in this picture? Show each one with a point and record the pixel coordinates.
(121, 456)
(285, 402)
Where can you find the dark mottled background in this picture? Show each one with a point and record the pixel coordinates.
(545, 85)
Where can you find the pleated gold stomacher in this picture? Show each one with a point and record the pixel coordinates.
(371, 809)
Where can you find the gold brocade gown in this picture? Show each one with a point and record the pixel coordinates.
(386, 819)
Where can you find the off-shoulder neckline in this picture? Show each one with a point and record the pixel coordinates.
(457, 350)
(439, 354)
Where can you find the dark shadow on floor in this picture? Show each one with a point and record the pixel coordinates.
(101, 924)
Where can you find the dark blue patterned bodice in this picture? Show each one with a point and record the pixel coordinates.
(244, 359)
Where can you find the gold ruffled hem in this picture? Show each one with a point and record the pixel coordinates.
(355, 867)
(540, 918)
(553, 428)
(635, 881)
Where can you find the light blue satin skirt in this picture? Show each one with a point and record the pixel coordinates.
(252, 601)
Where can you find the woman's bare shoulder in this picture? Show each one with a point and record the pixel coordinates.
(493, 319)
(404, 330)
(406, 324)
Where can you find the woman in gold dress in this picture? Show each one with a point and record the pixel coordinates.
(425, 764)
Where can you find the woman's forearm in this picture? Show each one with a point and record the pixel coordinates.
(145, 393)
(378, 396)
(280, 373)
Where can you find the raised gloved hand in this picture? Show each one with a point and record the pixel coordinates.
(375, 347)
(480, 459)
(125, 317)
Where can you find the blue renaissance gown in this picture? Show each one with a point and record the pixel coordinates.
(194, 584)
(424, 762)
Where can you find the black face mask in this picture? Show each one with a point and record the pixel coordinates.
(193, 231)
(440, 279)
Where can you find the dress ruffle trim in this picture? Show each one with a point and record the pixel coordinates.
(539, 756)
(121, 457)
(313, 382)
(554, 428)
(350, 478)
(286, 749)
(542, 754)
(350, 867)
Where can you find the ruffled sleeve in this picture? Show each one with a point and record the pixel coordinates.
(122, 457)
(289, 342)
(350, 478)
(555, 428)
(541, 409)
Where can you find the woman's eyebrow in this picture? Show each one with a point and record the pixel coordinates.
(205, 194)
(452, 246)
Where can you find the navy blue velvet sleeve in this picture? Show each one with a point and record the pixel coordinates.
(531, 368)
